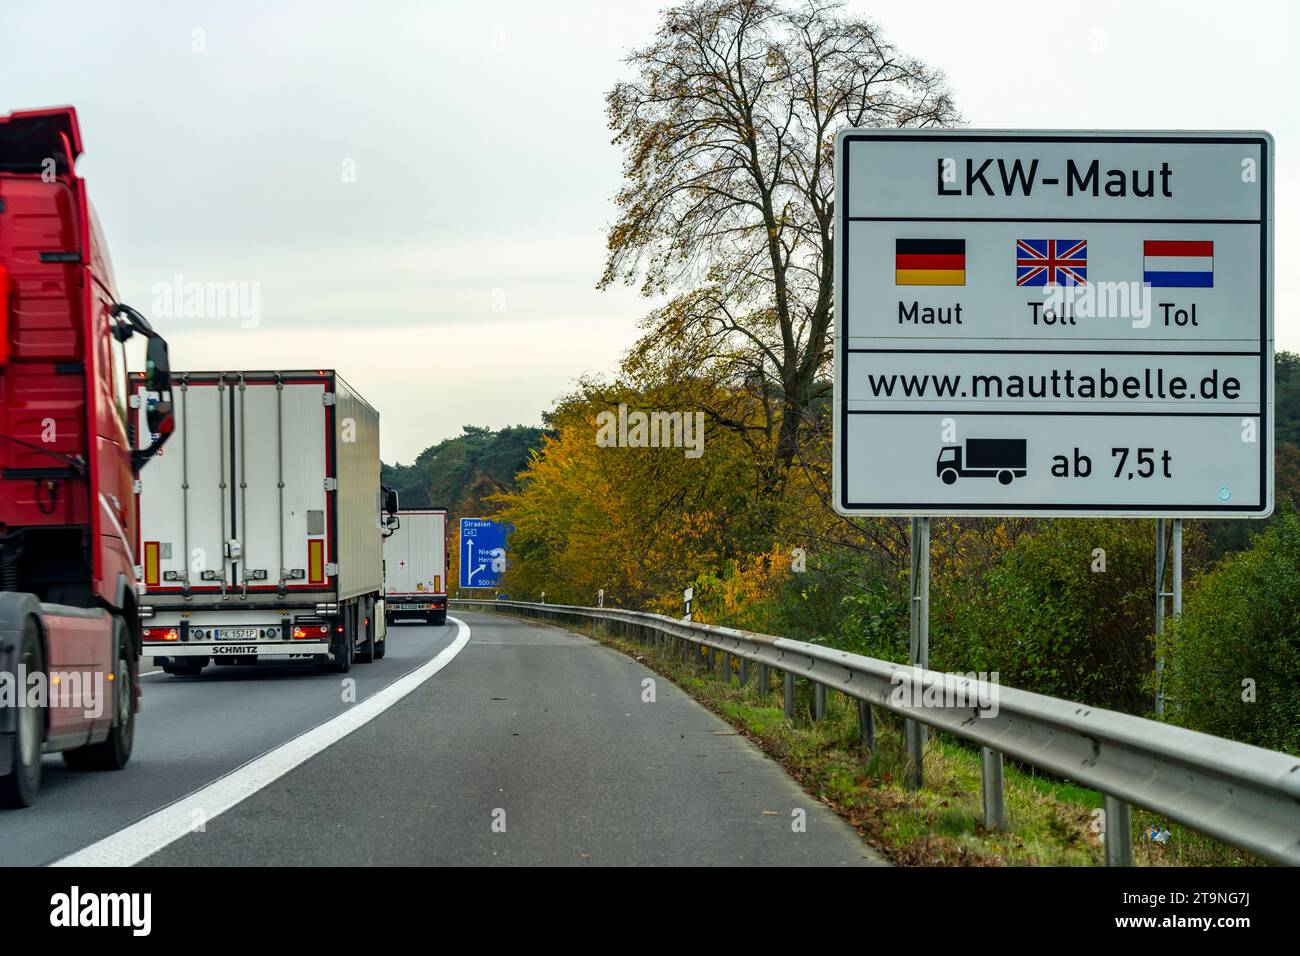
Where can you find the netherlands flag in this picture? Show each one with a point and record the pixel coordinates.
(1175, 263)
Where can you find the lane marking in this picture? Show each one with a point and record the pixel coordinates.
(147, 836)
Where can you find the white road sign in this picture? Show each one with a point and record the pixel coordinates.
(1054, 323)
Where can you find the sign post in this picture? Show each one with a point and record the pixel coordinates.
(1052, 324)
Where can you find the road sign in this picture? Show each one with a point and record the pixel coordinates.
(482, 552)
(1060, 323)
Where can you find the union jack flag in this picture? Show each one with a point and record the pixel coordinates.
(1051, 261)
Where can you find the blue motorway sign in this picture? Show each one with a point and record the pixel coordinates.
(482, 552)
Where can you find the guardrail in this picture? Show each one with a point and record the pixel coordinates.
(1246, 796)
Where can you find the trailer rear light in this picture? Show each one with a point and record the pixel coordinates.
(310, 632)
(161, 634)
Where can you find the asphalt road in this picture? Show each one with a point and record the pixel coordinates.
(531, 746)
(189, 732)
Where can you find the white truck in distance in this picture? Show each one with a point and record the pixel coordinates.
(260, 529)
(415, 567)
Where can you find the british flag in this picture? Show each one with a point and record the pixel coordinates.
(1051, 261)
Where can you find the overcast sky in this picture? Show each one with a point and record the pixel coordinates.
(419, 191)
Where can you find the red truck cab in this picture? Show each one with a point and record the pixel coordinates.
(69, 627)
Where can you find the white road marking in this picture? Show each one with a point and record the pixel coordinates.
(146, 837)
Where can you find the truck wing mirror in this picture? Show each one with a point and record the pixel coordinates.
(158, 382)
(390, 500)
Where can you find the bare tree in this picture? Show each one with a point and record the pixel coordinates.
(728, 131)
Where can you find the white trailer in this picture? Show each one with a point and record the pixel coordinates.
(260, 529)
(415, 567)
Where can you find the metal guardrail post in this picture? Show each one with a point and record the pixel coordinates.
(995, 805)
(789, 696)
(1119, 831)
(764, 679)
(866, 725)
(819, 707)
(913, 737)
(726, 667)
(744, 671)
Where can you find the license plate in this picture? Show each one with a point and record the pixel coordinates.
(410, 607)
(235, 633)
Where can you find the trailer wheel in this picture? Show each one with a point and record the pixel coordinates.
(21, 779)
(183, 670)
(1004, 477)
(114, 752)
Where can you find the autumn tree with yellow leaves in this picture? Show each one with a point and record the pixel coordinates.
(728, 129)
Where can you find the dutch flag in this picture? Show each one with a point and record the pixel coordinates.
(1178, 263)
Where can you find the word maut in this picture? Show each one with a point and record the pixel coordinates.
(651, 430)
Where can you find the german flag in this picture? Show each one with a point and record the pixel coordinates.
(929, 262)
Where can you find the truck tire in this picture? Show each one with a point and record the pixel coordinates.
(21, 779)
(183, 670)
(114, 752)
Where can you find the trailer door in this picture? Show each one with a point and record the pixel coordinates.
(184, 494)
(282, 504)
(237, 500)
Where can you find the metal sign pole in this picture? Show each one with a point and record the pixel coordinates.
(1161, 558)
(1175, 592)
(1178, 567)
(919, 645)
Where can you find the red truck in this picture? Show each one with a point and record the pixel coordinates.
(69, 625)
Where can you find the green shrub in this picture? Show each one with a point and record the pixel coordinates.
(1240, 624)
(1046, 621)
